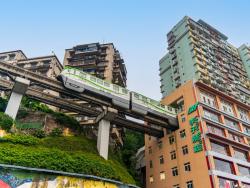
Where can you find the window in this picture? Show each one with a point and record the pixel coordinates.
(246, 129)
(183, 118)
(223, 166)
(173, 155)
(161, 159)
(231, 123)
(227, 107)
(151, 179)
(171, 139)
(185, 150)
(215, 130)
(239, 154)
(159, 144)
(175, 171)
(150, 164)
(187, 167)
(189, 184)
(150, 150)
(162, 175)
(176, 186)
(182, 134)
(220, 148)
(244, 115)
(244, 171)
(245, 185)
(208, 99)
(235, 137)
(212, 116)
(227, 183)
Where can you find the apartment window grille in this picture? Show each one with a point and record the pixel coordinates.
(227, 107)
(244, 115)
(235, 137)
(231, 123)
(162, 175)
(212, 116)
(161, 159)
(215, 130)
(220, 148)
(208, 99)
(175, 171)
(171, 140)
(244, 171)
(185, 150)
(239, 154)
(187, 167)
(182, 134)
(173, 155)
(223, 166)
(246, 129)
(227, 183)
(190, 184)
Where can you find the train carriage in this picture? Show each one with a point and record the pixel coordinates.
(77, 80)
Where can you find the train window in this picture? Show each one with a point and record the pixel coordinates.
(124, 91)
(144, 99)
(136, 95)
(83, 75)
(99, 81)
(116, 88)
(92, 78)
(106, 84)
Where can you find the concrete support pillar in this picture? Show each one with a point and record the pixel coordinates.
(103, 138)
(18, 90)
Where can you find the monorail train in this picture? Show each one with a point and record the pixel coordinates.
(78, 80)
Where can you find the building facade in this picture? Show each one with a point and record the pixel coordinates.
(101, 60)
(197, 51)
(211, 148)
(244, 52)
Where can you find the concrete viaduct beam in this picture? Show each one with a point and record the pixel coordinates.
(20, 87)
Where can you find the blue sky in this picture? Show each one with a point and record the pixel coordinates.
(137, 28)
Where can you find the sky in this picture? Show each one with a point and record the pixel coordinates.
(137, 28)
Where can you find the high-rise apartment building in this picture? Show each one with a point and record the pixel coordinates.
(244, 52)
(48, 66)
(211, 148)
(206, 78)
(101, 60)
(197, 51)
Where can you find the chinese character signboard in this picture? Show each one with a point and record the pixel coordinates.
(195, 130)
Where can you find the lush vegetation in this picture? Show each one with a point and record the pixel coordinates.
(132, 142)
(70, 154)
(6, 122)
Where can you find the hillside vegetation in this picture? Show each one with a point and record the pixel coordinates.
(38, 149)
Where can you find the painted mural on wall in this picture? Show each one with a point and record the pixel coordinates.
(16, 178)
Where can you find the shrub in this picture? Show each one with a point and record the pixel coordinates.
(21, 139)
(39, 133)
(66, 120)
(22, 113)
(56, 132)
(3, 104)
(6, 121)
